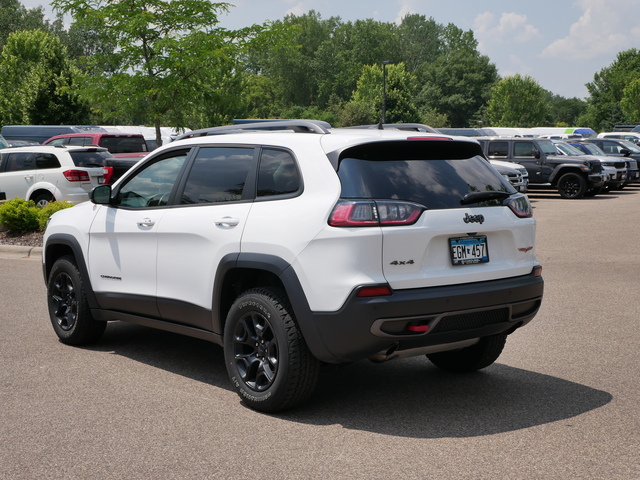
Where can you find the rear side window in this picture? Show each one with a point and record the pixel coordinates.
(498, 149)
(278, 174)
(434, 174)
(46, 160)
(218, 174)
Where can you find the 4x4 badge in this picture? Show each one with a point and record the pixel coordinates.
(473, 218)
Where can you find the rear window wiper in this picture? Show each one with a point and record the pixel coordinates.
(476, 197)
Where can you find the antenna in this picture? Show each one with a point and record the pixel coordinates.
(383, 115)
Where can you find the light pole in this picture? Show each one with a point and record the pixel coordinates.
(383, 117)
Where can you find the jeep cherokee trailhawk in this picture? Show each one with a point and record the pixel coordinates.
(297, 248)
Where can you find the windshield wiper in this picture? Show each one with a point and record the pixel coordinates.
(476, 197)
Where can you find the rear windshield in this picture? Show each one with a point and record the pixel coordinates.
(90, 159)
(436, 174)
(124, 144)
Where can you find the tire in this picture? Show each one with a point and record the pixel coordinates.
(267, 358)
(470, 359)
(68, 307)
(42, 199)
(572, 185)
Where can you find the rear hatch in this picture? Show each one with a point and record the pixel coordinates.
(446, 216)
(93, 162)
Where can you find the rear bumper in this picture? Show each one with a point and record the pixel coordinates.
(365, 327)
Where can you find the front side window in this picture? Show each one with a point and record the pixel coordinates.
(218, 174)
(152, 186)
(15, 162)
(523, 149)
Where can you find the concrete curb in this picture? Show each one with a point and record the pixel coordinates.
(19, 251)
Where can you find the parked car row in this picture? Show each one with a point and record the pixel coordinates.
(577, 168)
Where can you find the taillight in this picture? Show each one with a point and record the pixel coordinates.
(107, 172)
(519, 204)
(368, 213)
(76, 175)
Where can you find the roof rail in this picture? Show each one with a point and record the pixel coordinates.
(414, 127)
(298, 126)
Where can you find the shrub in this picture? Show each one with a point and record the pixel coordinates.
(48, 210)
(19, 215)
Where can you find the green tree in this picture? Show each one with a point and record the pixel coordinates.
(565, 111)
(36, 80)
(171, 63)
(459, 81)
(15, 17)
(401, 87)
(517, 102)
(630, 102)
(608, 90)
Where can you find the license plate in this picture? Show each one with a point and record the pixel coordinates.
(469, 250)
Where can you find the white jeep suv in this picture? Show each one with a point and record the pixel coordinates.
(294, 248)
(46, 173)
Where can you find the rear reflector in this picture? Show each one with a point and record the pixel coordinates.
(377, 291)
(418, 328)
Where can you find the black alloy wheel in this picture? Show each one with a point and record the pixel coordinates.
(64, 301)
(255, 350)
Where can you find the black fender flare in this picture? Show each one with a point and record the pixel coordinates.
(292, 286)
(49, 257)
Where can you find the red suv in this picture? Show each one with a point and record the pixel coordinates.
(126, 148)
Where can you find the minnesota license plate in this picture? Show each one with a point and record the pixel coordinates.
(469, 250)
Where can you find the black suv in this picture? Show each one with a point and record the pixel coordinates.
(573, 177)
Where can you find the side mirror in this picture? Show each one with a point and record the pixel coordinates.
(101, 195)
(535, 152)
(626, 152)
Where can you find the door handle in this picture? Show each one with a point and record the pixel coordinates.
(146, 222)
(227, 222)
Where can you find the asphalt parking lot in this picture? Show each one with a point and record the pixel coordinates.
(562, 402)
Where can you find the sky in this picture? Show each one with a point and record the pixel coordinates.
(560, 43)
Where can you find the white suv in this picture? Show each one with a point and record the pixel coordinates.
(47, 173)
(293, 249)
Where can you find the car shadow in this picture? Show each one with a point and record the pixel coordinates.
(406, 398)
(412, 398)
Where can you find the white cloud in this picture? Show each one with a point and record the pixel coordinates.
(406, 7)
(509, 28)
(605, 27)
(297, 10)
